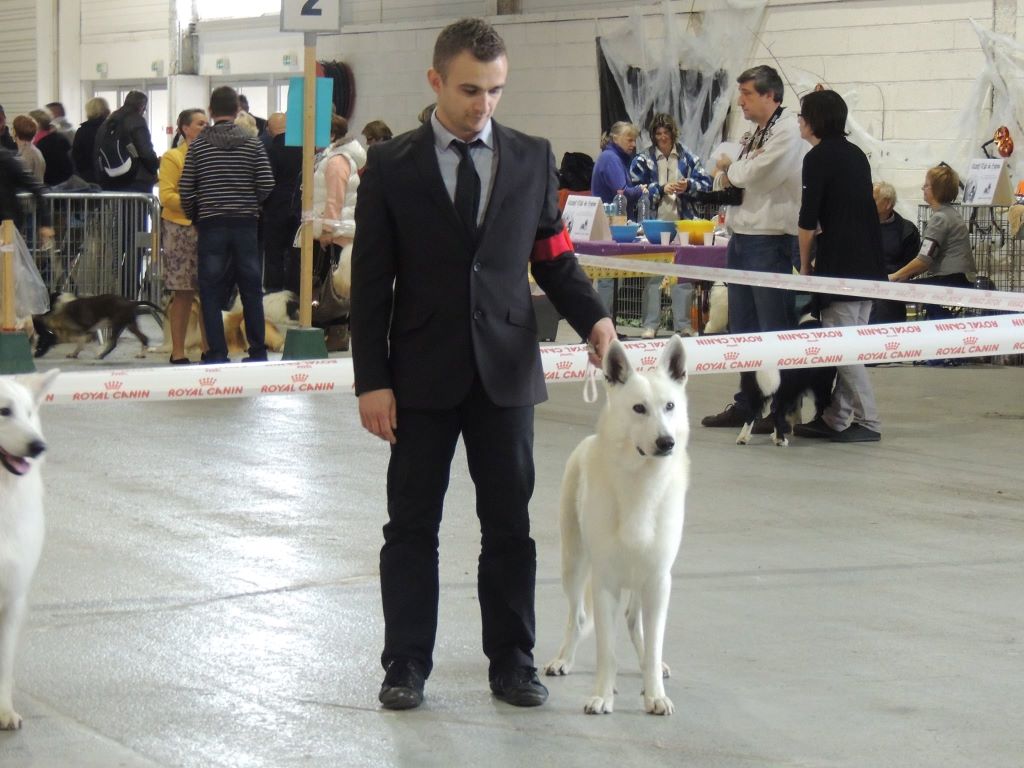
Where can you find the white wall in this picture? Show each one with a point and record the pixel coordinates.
(124, 39)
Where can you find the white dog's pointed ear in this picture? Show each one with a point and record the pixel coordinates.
(616, 365)
(673, 359)
(39, 383)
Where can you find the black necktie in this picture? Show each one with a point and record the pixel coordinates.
(467, 188)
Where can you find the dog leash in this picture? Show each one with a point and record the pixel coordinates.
(590, 381)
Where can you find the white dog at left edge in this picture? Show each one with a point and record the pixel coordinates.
(622, 508)
(21, 516)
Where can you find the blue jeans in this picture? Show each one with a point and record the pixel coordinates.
(761, 309)
(228, 254)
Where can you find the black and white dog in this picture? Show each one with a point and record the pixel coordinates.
(785, 388)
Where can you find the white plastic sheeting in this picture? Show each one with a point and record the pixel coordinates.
(997, 98)
(715, 43)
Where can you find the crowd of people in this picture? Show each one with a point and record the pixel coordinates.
(233, 223)
(802, 200)
(806, 203)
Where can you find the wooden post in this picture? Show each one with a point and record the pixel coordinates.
(308, 142)
(7, 249)
(15, 350)
(308, 17)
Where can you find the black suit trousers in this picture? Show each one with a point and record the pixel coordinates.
(499, 451)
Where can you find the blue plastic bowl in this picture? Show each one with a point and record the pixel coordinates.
(654, 227)
(623, 233)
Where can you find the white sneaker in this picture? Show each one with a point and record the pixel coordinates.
(649, 333)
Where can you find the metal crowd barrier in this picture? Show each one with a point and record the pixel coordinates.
(104, 242)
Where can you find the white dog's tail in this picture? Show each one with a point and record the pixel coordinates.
(768, 379)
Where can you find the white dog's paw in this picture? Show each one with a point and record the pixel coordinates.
(666, 670)
(598, 705)
(659, 705)
(780, 441)
(558, 667)
(742, 440)
(9, 720)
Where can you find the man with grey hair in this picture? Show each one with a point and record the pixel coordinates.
(763, 226)
(901, 241)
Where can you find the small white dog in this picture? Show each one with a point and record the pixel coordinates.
(21, 517)
(623, 502)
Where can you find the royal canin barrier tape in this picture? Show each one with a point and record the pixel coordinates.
(896, 342)
(1004, 301)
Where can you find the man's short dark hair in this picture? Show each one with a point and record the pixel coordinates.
(766, 80)
(136, 101)
(224, 102)
(473, 35)
(825, 113)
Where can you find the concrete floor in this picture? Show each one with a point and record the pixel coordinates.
(208, 594)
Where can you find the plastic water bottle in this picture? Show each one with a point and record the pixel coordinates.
(643, 208)
(620, 203)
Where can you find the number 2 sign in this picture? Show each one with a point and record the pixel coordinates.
(310, 15)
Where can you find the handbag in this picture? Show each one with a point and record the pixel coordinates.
(328, 306)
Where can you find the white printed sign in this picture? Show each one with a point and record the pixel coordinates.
(310, 15)
(987, 183)
(585, 219)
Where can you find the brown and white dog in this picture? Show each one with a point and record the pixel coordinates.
(279, 314)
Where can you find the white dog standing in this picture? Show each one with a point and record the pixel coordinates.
(21, 517)
(623, 503)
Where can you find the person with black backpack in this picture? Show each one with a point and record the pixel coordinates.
(125, 162)
(124, 155)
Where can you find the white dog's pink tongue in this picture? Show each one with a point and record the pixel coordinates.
(16, 464)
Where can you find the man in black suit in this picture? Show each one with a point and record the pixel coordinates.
(450, 217)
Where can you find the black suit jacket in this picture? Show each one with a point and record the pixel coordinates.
(431, 309)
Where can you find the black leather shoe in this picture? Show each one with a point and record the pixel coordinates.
(730, 417)
(403, 685)
(816, 428)
(519, 687)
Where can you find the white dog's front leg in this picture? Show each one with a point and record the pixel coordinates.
(10, 622)
(606, 608)
(655, 612)
(743, 438)
(576, 626)
(634, 624)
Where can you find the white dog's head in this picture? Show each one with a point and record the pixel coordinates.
(21, 437)
(647, 409)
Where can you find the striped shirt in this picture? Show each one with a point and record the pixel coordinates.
(226, 174)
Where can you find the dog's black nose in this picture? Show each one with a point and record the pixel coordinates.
(35, 448)
(665, 444)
